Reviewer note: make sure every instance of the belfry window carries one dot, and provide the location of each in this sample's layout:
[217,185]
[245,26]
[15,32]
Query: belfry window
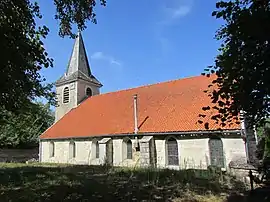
[88,92]
[172,151]
[66,95]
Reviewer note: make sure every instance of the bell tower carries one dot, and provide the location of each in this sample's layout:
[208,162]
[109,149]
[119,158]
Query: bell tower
[78,83]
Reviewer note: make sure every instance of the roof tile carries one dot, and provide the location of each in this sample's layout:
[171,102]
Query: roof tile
[171,106]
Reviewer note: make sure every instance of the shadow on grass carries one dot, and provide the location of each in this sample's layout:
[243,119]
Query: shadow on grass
[261,194]
[99,183]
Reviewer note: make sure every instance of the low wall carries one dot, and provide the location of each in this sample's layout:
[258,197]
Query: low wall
[18,155]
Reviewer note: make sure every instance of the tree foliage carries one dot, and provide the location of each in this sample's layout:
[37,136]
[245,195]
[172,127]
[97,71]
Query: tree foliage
[242,67]
[22,130]
[77,12]
[23,54]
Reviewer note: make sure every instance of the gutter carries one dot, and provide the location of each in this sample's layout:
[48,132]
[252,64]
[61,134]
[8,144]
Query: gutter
[149,134]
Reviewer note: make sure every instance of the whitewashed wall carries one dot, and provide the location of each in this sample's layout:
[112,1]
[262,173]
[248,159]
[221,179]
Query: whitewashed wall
[83,152]
[233,149]
[193,153]
[119,154]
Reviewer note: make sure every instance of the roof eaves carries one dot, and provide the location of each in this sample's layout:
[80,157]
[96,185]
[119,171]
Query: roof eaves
[203,132]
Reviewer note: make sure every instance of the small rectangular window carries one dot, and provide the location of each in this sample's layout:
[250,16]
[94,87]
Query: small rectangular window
[97,150]
[51,148]
[72,150]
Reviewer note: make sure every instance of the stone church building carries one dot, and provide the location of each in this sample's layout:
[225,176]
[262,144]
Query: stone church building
[154,125]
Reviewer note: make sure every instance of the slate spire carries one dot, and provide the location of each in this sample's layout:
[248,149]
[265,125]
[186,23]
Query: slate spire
[78,60]
[78,65]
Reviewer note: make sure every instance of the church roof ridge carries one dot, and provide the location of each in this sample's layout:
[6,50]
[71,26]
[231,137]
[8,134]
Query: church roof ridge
[151,84]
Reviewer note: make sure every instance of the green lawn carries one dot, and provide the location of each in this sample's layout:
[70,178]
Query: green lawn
[57,183]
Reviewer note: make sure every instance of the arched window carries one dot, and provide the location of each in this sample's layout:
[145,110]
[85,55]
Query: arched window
[172,151]
[66,95]
[51,149]
[97,150]
[129,149]
[88,92]
[72,150]
[216,152]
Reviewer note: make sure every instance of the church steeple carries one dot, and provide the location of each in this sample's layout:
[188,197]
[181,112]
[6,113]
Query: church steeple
[77,83]
[78,65]
[78,60]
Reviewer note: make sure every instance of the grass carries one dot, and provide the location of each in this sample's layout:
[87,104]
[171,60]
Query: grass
[50,182]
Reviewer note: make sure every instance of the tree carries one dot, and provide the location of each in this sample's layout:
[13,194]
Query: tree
[23,54]
[242,68]
[22,130]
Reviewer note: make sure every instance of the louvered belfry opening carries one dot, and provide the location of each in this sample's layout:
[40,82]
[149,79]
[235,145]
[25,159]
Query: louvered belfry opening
[66,95]
[89,92]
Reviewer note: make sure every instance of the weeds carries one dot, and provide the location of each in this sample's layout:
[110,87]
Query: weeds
[50,182]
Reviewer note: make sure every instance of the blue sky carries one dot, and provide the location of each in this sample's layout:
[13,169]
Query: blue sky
[139,42]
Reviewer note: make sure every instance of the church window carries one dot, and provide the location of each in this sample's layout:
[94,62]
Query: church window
[51,149]
[72,150]
[88,92]
[66,95]
[172,151]
[97,150]
[216,152]
[129,149]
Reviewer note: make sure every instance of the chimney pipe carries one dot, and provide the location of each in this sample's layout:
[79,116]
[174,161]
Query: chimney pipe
[135,114]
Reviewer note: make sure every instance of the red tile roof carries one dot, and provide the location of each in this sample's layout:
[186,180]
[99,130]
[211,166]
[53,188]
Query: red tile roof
[171,106]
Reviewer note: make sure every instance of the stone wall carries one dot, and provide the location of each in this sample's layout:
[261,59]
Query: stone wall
[234,148]
[18,155]
[77,93]
[63,108]
[119,153]
[251,146]
[83,152]
[193,153]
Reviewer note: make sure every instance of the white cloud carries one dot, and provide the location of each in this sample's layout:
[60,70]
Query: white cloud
[175,9]
[97,56]
[181,11]
[101,56]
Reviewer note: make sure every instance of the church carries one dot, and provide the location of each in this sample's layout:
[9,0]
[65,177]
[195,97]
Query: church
[149,126]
